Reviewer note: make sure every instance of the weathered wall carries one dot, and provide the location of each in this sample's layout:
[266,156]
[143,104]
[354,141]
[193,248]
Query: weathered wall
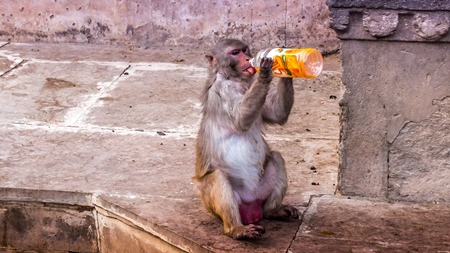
[158,23]
[55,222]
[395,128]
[119,235]
[32,221]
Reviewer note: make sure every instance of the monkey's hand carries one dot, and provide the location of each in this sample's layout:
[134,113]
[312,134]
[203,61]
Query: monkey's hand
[265,70]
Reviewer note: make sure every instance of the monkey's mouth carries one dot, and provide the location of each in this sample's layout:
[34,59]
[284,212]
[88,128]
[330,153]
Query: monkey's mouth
[250,71]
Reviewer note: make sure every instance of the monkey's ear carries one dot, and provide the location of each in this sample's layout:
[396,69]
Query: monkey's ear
[211,60]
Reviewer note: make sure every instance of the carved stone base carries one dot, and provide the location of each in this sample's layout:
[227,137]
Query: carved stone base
[395,127]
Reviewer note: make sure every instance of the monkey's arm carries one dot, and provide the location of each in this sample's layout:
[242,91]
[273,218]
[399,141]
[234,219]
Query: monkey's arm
[279,102]
[250,107]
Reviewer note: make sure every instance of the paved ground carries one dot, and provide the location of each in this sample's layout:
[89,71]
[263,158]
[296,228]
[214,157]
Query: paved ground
[121,123]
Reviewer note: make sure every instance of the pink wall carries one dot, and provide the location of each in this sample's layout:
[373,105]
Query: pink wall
[169,22]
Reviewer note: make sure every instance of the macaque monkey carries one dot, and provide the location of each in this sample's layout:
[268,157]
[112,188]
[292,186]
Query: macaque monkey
[238,178]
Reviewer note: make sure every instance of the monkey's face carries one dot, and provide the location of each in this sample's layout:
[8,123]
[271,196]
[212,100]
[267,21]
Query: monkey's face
[240,57]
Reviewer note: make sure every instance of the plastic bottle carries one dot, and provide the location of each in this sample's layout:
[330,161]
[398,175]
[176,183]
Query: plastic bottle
[292,62]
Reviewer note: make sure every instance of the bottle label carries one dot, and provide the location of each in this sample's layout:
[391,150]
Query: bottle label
[284,60]
[293,62]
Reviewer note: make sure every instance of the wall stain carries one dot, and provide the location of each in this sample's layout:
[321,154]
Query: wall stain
[90,32]
[72,233]
[18,221]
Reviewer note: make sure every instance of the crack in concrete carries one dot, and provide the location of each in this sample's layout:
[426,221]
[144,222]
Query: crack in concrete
[5,44]
[16,66]
[440,100]
[434,102]
[77,114]
[302,218]
[17,61]
[392,140]
[295,234]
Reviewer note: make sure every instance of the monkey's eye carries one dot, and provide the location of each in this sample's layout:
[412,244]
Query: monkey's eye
[235,52]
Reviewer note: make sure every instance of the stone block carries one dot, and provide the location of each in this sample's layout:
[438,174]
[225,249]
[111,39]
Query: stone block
[47,227]
[396,88]
[394,125]
[391,4]
[419,158]
[333,224]
[391,20]
[118,235]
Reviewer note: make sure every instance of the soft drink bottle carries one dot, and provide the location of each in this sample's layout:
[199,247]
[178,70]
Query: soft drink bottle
[292,62]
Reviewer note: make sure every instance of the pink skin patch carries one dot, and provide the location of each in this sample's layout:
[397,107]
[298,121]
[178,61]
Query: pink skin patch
[251,212]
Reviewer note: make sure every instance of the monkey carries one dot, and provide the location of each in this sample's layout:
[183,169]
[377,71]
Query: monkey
[238,178]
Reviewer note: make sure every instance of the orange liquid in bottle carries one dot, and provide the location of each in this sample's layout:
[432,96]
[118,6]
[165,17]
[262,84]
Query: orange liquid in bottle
[292,62]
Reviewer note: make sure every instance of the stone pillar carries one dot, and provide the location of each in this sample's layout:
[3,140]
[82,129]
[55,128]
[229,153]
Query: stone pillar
[395,121]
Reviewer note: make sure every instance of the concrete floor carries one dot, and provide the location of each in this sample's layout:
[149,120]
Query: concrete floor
[120,124]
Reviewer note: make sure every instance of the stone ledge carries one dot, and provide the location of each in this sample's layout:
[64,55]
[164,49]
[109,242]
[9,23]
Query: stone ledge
[329,224]
[422,5]
[50,221]
[402,24]
[63,221]
[59,221]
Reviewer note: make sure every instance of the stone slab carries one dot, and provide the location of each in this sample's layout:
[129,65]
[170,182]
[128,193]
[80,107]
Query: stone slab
[381,98]
[49,91]
[183,222]
[45,196]
[364,225]
[158,96]
[391,4]
[35,226]
[119,235]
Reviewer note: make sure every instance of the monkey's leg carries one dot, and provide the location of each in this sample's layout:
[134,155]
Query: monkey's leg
[220,199]
[277,179]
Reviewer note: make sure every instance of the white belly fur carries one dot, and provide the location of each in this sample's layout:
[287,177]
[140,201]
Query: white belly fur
[244,155]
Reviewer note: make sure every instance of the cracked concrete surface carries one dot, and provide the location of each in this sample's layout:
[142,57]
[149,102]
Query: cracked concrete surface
[116,126]
[121,123]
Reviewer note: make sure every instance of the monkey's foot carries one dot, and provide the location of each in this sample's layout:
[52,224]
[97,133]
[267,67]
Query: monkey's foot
[282,213]
[250,231]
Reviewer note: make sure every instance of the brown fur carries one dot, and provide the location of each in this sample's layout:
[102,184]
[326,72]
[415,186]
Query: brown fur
[234,165]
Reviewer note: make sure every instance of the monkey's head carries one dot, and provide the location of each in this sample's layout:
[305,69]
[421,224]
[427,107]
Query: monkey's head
[230,57]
